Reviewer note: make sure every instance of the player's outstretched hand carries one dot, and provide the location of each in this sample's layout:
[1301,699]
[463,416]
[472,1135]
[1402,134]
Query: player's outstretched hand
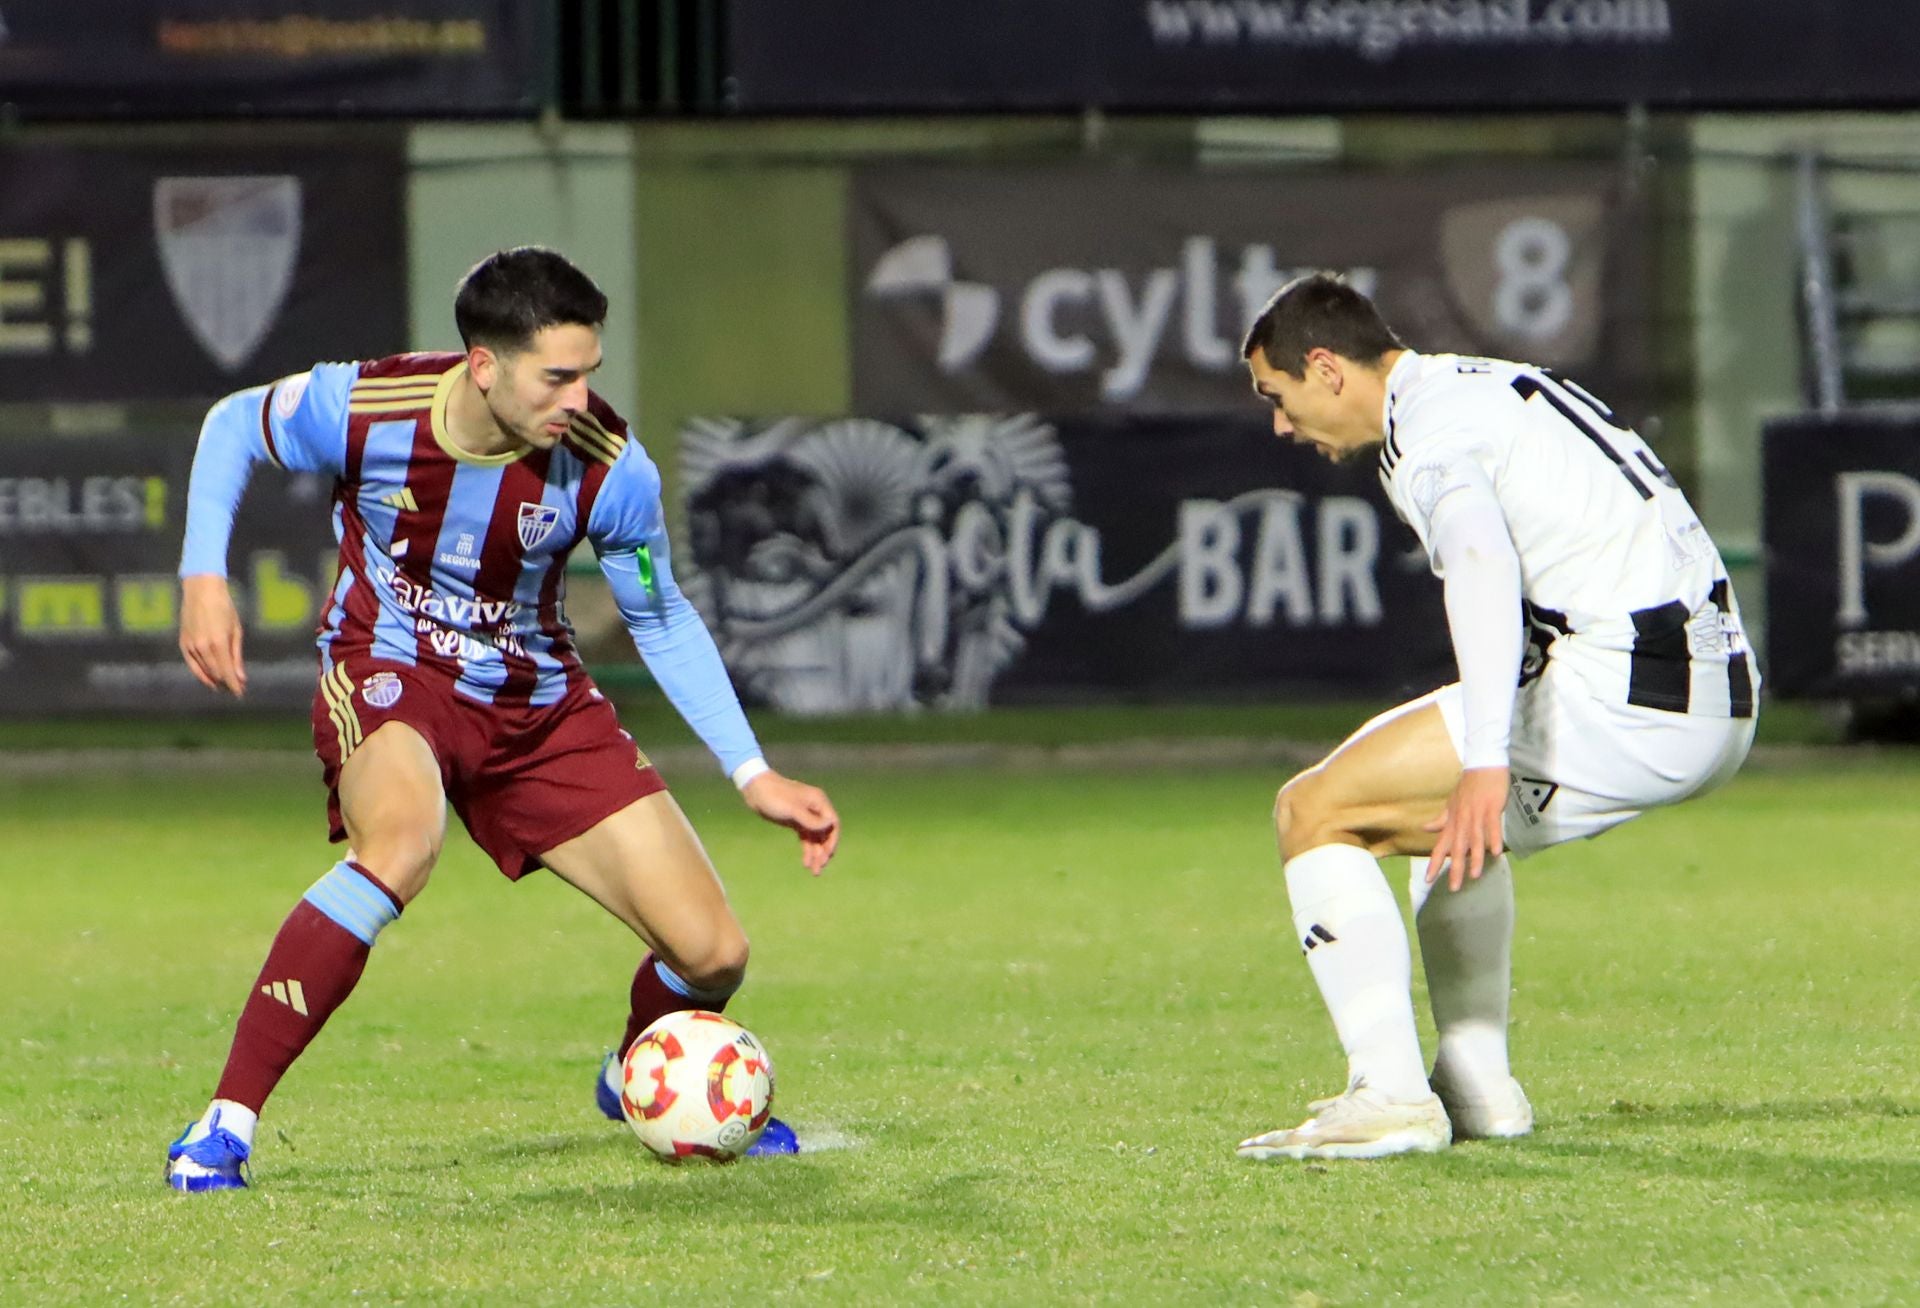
[806,809]
[210,634]
[1470,830]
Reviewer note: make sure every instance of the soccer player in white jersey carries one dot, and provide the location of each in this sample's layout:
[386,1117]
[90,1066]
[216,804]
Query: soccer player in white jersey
[1603,671]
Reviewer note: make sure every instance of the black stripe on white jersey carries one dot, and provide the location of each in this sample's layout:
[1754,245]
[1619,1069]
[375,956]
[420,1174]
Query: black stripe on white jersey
[1542,628]
[1389,448]
[1586,396]
[1529,386]
[1662,670]
[1739,669]
[1660,674]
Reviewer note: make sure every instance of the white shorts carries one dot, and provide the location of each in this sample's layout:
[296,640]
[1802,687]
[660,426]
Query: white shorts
[1581,765]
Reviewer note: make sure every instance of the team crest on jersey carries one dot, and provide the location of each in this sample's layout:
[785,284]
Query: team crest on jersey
[288,394]
[382,690]
[536,523]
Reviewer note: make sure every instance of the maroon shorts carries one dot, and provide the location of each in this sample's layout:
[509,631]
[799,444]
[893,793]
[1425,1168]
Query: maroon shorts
[522,779]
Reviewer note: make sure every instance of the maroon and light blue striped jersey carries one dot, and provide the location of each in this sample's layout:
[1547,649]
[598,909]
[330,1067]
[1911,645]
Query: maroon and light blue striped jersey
[448,558]
[457,561]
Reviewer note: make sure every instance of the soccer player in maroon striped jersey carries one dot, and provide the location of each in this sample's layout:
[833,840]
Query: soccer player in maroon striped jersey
[449,674]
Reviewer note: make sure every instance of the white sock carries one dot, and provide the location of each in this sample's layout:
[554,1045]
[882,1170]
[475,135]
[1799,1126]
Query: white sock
[1345,917]
[235,1118]
[1466,944]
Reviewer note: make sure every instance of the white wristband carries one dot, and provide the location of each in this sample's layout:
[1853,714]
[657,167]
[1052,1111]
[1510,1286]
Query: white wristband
[747,771]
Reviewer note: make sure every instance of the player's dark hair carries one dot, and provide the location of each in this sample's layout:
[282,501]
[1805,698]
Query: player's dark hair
[508,296]
[1318,311]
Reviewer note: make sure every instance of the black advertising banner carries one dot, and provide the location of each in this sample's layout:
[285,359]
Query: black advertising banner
[1842,534]
[852,564]
[254,58]
[90,535]
[1317,55]
[1070,289]
[130,274]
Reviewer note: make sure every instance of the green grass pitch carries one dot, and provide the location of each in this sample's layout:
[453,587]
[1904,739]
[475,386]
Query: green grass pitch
[1033,1011]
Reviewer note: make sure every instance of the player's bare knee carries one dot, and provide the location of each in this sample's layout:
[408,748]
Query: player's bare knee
[720,966]
[402,861]
[1303,818]
[1286,804]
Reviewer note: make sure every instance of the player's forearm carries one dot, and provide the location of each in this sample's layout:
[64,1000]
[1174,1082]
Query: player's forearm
[1482,584]
[679,651]
[222,465]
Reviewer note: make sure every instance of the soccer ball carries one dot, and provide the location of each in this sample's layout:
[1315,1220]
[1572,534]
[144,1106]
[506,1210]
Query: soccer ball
[697,1085]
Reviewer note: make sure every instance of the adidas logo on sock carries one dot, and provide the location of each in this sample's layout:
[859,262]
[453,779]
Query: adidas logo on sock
[1316,936]
[289,993]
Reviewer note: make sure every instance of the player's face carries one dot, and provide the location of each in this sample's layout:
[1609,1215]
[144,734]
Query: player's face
[537,391]
[1309,409]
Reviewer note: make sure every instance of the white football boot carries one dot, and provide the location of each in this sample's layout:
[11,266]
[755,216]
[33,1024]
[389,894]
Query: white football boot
[1502,1113]
[1362,1123]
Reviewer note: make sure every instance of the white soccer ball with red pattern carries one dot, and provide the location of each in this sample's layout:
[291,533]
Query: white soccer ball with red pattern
[697,1085]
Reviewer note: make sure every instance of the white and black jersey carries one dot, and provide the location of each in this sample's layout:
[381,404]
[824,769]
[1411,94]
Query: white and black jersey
[1619,580]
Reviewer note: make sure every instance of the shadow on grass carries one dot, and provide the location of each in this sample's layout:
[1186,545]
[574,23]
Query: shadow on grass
[790,1191]
[1626,1114]
[1787,1176]
[614,1137]
[1613,1138]
[782,1191]
[432,1164]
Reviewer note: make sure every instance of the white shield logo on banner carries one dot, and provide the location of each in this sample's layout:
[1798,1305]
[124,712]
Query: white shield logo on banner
[228,245]
[536,522]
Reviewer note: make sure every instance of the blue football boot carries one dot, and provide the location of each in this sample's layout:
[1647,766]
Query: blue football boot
[778,1138]
[216,1161]
[606,1087]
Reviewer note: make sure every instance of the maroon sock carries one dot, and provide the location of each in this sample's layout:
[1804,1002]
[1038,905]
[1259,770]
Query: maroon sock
[651,999]
[311,968]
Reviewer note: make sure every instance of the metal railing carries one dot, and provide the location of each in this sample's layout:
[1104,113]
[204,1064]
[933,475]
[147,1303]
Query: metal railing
[1851,305]
[627,58]
[1820,322]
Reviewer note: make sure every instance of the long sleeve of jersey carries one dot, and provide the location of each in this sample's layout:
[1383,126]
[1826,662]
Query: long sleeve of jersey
[627,529]
[1480,573]
[223,464]
[298,423]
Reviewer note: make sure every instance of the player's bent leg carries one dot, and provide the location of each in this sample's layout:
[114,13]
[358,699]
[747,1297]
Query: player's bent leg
[645,866]
[1371,796]
[1377,790]
[394,810]
[1466,946]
